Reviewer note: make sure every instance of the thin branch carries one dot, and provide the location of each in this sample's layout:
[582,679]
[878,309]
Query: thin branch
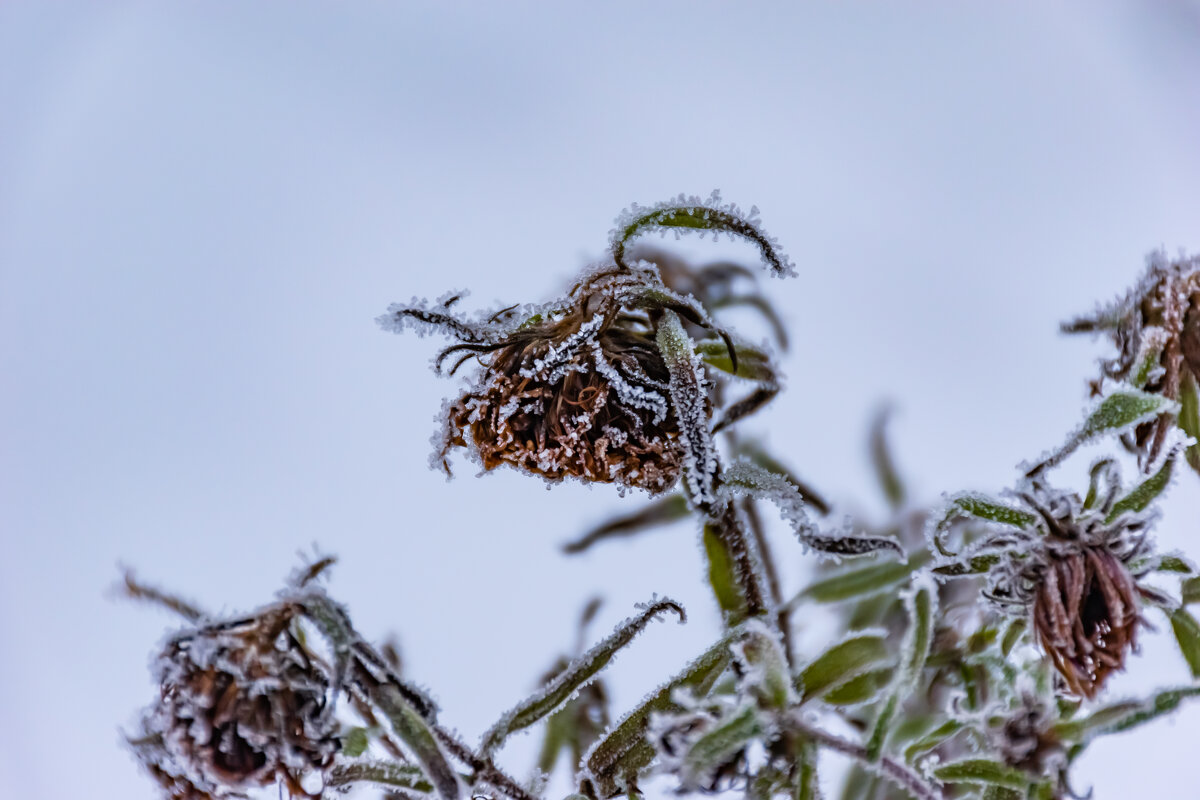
[135,590]
[483,768]
[891,769]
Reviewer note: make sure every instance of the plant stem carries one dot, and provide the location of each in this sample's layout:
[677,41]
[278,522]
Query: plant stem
[891,769]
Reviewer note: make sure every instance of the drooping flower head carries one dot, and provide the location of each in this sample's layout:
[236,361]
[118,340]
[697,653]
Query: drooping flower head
[1069,566]
[580,387]
[242,704]
[1156,329]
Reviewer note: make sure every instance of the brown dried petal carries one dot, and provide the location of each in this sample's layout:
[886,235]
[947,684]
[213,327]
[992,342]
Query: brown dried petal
[1085,615]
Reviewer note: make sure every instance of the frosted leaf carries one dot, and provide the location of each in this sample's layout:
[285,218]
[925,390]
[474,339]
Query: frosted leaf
[1116,413]
[698,214]
[689,395]
[567,683]
[746,477]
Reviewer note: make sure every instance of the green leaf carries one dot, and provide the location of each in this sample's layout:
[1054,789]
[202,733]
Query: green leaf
[413,730]
[1187,634]
[974,505]
[1148,359]
[975,565]
[1189,416]
[1145,492]
[623,751]
[840,664]
[881,458]
[1116,413]
[879,731]
[1103,470]
[859,582]
[662,511]
[807,786]
[697,214]
[355,742]
[981,770]
[922,608]
[714,748]
[1012,635]
[723,577]
[766,675]
[689,405]
[1123,716]
[994,792]
[381,773]
[862,688]
[565,684]
[752,364]
[932,739]
[1190,590]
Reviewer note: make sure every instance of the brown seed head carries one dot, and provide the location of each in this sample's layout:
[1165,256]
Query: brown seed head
[581,391]
[242,704]
[1085,612]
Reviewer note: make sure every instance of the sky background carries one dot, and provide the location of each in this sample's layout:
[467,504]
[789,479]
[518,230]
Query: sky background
[203,206]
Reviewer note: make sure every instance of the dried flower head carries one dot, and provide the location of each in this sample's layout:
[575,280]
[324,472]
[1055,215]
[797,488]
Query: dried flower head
[1068,566]
[575,388]
[581,387]
[242,704]
[1026,740]
[1156,329]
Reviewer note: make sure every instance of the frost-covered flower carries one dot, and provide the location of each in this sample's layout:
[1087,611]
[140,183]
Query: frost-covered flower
[1070,569]
[574,388]
[1156,329]
[242,704]
[1026,740]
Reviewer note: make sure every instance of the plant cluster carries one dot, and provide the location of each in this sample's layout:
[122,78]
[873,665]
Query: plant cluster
[975,638]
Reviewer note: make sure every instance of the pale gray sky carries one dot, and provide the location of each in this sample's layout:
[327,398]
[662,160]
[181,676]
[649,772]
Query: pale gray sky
[203,206]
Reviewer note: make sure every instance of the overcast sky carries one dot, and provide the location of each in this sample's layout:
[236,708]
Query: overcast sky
[203,206]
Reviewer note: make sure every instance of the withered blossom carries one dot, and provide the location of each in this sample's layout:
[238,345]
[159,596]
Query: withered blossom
[577,388]
[1071,572]
[242,704]
[1026,740]
[1156,329]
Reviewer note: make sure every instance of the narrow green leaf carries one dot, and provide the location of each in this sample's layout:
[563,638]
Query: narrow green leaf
[994,792]
[722,576]
[1190,590]
[879,731]
[415,732]
[1123,716]
[715,747]
[861,688]
[807,786]
[752,364]
[355,742]
[1145,492]
[1173,562]
[922,608]
[1012,635]
[698,214]
[381,773]
[840,664]
[859,582]
[623,750]
[932,739]
[1189,416]
[1116,413]
[983,771]
[983,507]
[1148,360]
[566,683]
[765,676]
[975,565]
[1187,634]
[689,401]
[881,458]
[1103,470]
[662,511]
